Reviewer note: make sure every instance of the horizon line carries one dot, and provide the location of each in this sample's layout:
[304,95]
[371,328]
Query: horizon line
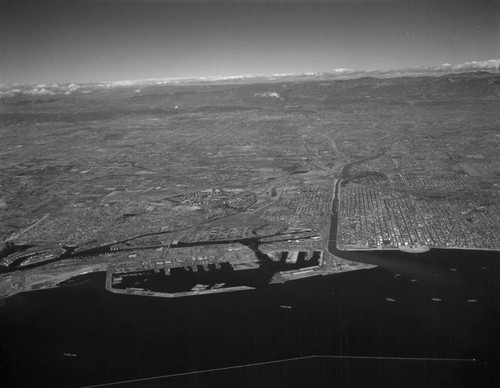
[341,73]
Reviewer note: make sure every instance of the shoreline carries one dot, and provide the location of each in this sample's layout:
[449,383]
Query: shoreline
[280,277]
[430,247]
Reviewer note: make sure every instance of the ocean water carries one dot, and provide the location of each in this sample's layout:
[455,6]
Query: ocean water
[440,305]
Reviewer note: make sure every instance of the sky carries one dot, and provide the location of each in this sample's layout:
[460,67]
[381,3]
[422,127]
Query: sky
[48,41]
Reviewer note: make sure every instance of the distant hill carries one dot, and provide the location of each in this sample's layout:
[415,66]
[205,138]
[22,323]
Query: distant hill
[294,93]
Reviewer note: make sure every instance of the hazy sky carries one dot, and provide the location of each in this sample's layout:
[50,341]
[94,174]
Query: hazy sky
[85,41]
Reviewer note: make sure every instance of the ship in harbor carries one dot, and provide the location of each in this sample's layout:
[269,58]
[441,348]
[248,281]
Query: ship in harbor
[204,275]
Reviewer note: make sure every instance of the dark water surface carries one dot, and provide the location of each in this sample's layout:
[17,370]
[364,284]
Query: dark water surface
[384,312]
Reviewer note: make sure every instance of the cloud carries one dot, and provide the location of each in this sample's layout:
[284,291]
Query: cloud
[491,64]
[16,90]
[71,88]
[124,83]
[8,93]
[39,92]
[343,71]
[268,94]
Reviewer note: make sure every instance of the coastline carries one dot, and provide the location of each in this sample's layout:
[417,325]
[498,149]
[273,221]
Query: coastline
[430,247]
